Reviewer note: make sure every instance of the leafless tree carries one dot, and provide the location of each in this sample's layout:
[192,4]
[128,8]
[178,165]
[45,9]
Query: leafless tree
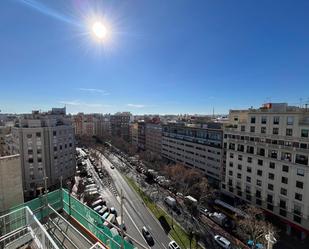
[254,226]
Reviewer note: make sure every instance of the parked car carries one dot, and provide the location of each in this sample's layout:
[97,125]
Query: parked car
[113,211]
[204,211]
[173,245]
[147,236]
[223,242]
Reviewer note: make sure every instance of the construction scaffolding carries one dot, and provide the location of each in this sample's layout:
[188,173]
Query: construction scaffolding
[48,211]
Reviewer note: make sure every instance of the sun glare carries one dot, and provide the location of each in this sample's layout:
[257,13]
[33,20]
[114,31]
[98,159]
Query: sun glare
[99,30]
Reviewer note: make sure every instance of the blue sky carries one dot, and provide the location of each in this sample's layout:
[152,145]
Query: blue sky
[175,56]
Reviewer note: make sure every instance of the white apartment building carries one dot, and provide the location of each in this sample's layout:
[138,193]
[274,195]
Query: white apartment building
[195,146]
[45,142]
[267,165]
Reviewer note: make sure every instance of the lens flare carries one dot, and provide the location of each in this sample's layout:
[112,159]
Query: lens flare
[99,30]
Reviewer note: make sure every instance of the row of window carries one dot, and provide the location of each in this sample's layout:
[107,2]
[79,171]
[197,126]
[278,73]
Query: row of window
[288,131]
[275,120]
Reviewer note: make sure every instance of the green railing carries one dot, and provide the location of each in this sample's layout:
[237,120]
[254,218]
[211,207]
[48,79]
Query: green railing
[92,221]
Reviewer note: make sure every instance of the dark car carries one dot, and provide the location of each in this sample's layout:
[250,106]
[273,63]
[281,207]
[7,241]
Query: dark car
[147,236]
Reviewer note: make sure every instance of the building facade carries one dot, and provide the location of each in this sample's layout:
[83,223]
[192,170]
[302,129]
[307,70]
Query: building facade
[196,146]
[120,125]
[141,135]
[11,189]
[153,138]
[267,152]
[134,134]
[45,142]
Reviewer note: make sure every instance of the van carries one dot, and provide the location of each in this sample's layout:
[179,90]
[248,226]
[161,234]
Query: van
[97,208]
[103,210]
[97,203]
[105,215]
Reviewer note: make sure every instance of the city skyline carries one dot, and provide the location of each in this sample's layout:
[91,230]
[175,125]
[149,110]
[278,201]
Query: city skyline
[171,57]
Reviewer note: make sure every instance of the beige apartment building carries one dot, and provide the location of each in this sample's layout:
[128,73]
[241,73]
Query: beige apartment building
[4,131]
[196,146]
[11,189]
[267,165]
[45,142]
[153,138]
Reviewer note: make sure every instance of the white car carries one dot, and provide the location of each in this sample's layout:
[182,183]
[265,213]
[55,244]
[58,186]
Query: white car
[173,245]
[223,242]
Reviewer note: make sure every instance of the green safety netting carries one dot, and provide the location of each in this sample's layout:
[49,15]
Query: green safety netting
[60,199]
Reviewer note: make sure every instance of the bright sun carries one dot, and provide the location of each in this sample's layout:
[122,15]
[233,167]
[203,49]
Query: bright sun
[99,30]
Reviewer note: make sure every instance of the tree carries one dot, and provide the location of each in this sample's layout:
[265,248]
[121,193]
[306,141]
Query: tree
[254,227]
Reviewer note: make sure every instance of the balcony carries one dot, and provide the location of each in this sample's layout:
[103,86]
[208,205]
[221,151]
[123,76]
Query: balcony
[39,224]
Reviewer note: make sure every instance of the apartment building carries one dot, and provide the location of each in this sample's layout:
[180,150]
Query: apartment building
[11,189]
[102,125]
[196,146]
[120,125]
[267,152]
[4,131]
[45,142]
[134,134]
[153,137]
[141,135]
[84,124]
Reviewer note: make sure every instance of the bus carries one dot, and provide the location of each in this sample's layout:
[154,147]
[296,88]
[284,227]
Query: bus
[229,210]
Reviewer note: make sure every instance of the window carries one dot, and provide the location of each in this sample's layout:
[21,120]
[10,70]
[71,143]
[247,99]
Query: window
[300,172]
[239,176]
[263,130]
[258,202]
[243,128]
[249,169]
[239,166]
[55,148]
[271,176]
[30,160]
[39,151]
[54,133]
[289,132]
[283,191]
[248,179]
[39,159]
[29,135]
[263,120]
[258,182]
[240,157]
[269,198]
[230,172]
[231,164]
[282,212]
[258,193]
[304,132]
[284,180]
[259,172]
[250,149]
[275,131]
[290,120]
[272,165]
[252,120]
[301,159]
[252,128]
[299,184]
[261,151]
[276,120]
[38,134]
[260,162]
[30,151]
[231,155]
[270,186]
[249,160]
[285,168]
[240,147]
[298,197]
[303,146]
